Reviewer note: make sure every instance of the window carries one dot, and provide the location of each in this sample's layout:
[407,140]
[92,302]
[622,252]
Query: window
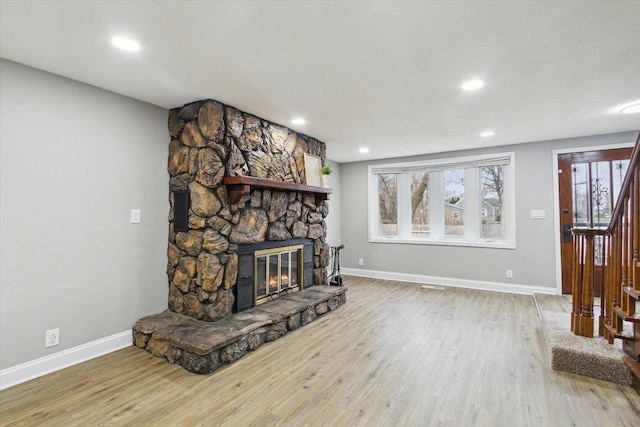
[463,201]
[387,202]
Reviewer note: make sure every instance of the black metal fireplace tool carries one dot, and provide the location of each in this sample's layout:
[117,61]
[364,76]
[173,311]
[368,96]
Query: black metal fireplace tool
[335,279]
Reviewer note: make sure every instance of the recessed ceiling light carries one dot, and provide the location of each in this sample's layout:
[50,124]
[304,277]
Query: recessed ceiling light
[298,121]
[487,134]
[473,85]
[125,43]
[635,108]
[363,150]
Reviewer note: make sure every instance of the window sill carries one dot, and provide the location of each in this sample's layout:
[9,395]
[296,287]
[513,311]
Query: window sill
[490,245]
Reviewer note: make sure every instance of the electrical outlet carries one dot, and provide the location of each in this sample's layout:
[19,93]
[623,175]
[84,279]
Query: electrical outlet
[361,261]
[52,337]
[135,216]
[509,274]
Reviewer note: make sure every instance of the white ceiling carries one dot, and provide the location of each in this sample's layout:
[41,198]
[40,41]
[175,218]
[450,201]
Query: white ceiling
[385,75]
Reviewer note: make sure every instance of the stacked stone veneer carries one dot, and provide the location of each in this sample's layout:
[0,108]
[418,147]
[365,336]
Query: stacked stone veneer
[209,141]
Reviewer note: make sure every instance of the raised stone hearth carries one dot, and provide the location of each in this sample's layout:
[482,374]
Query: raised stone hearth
[202,347]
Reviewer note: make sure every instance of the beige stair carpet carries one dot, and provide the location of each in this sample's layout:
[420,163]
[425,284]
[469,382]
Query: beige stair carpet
[591,357]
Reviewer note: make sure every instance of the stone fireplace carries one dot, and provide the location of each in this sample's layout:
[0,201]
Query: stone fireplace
[211,143]
[247,255]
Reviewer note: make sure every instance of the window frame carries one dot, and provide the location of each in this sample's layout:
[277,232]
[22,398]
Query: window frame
[472,236]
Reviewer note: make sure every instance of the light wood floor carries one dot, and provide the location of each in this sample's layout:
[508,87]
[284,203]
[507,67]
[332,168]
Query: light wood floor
[393,355]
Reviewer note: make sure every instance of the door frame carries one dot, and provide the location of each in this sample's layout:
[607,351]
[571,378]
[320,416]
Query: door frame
[556,199]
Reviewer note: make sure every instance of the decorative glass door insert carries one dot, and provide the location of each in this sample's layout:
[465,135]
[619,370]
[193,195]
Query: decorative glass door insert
[596,186]
[277,271]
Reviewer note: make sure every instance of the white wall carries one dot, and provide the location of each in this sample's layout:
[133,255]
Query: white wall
[74,160]
[533,260]
[333,219]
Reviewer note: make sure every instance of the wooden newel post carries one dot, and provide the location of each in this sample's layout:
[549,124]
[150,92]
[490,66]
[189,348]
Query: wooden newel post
[582,320]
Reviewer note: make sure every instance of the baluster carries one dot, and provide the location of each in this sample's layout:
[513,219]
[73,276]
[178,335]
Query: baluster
[609,295]
[623,255]
[613,285]
[628,223]
[586,310]
[603,285]
[635,245]
[575,284]
[617,302]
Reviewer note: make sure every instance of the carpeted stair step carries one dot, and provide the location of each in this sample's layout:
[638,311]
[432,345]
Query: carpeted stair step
[635,372]
[591,357]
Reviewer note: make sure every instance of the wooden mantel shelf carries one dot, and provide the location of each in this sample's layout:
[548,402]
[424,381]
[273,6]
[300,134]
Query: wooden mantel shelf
[241,185]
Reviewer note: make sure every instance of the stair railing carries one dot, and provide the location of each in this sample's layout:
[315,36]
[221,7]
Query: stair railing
[620,251]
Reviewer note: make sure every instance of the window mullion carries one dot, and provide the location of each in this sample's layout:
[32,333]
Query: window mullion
[374,190]
[404,206]
[473,210]
[508,213]
[373,210]
[437,205]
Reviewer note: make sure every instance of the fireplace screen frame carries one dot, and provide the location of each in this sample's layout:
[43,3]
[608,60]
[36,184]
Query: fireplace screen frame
[277,252]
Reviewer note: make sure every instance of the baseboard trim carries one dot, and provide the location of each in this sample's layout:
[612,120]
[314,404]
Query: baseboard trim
[63,359]
[449,281]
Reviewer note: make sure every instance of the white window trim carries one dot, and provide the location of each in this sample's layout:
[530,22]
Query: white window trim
[471,221]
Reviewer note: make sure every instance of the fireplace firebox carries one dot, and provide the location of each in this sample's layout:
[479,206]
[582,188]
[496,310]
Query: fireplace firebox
[277,271]
[270,269]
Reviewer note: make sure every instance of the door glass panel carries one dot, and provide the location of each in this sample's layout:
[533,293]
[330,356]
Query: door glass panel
[580,190]
[598,250]
[453,202]
[601,193]
[595,189]
[619,171]
[420,203]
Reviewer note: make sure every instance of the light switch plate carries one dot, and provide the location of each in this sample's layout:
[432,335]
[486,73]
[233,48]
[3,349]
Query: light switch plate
[135,216]
[537,213]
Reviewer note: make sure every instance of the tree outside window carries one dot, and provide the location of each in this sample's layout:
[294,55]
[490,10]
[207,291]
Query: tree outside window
[491,189]
[420,203]
[388,204]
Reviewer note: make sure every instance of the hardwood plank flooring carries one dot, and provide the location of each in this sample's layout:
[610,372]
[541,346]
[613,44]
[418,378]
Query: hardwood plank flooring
[559,303]
[394,355]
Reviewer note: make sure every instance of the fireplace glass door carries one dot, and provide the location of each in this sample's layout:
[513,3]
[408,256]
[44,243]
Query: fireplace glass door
[277,271]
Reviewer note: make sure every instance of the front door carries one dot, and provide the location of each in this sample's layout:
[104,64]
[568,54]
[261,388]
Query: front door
[589,183]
